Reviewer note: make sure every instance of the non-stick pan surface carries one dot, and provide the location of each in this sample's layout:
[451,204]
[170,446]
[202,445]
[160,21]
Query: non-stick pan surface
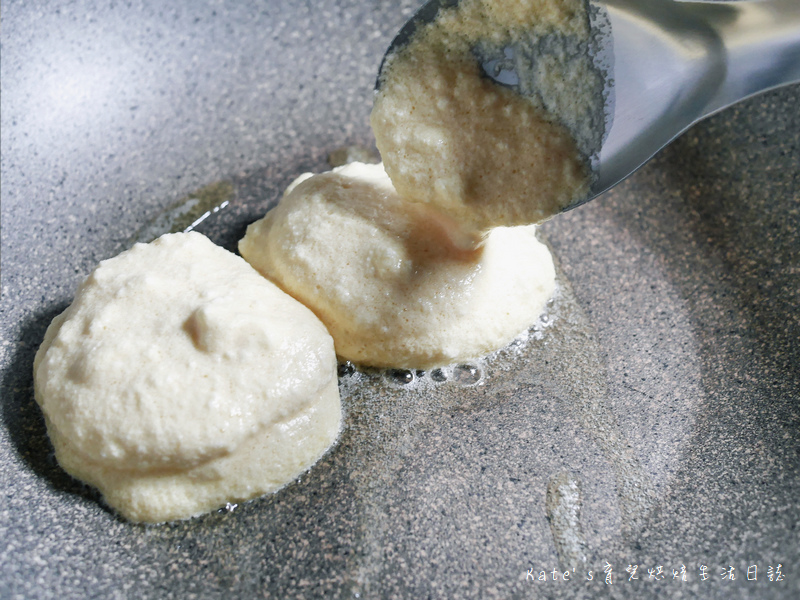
[650,420]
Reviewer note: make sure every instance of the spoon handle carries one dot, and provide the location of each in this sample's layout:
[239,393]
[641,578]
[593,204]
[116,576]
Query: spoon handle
[676,63]
[762,47]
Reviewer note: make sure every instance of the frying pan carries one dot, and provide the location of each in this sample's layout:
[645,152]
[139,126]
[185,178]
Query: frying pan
[650,419]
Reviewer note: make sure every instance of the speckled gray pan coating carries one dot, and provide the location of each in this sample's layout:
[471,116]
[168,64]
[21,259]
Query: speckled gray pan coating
[666,383]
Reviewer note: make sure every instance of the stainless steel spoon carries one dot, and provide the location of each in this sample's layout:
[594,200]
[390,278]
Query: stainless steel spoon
[666,65]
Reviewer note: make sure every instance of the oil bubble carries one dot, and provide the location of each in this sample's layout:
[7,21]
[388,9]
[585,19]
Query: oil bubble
[345,369]
[467,374]
[400,376]
[439,375]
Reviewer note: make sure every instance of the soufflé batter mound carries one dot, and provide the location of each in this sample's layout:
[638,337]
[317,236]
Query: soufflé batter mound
[180,379]
[385,278]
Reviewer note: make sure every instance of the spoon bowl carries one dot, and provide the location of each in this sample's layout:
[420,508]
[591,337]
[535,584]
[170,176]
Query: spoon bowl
[664,65]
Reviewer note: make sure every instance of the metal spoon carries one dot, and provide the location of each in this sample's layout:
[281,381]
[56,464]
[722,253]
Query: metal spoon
[665,65]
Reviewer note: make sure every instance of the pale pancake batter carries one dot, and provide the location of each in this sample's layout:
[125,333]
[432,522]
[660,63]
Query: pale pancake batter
[180,379]
[479,152]
[385,278]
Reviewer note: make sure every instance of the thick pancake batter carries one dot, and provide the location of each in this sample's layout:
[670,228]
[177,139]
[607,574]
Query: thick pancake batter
[180,379]
[482,153]
[385,278]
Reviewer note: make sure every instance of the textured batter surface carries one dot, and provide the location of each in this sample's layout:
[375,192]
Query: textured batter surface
[385,278]
[481,153]
[179,379]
